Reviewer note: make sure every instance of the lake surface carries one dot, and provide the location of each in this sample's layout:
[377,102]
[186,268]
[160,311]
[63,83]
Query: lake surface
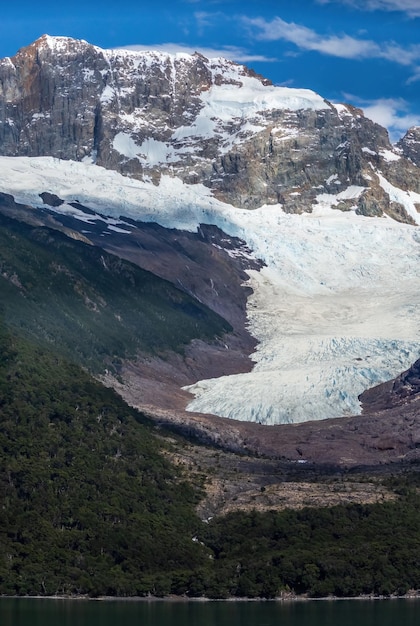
[26,612]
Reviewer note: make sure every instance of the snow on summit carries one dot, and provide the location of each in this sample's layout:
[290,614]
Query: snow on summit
[239,93]
[239,99]
[336,310]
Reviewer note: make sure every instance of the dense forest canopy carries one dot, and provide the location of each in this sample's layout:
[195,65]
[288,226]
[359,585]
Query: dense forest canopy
[90,505]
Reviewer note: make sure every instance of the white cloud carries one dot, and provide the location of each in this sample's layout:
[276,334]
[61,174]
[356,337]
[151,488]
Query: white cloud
[343,46]
[234,53]
[415,76]
[392,113]
[411,7]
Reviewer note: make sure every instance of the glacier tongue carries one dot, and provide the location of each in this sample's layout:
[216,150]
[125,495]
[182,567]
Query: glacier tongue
[294,387]
[335,312]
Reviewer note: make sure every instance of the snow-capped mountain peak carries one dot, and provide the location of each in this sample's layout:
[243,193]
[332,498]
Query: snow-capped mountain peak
[208,121]
[183,140]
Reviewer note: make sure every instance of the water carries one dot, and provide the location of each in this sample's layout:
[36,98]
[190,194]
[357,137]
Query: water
[25,612]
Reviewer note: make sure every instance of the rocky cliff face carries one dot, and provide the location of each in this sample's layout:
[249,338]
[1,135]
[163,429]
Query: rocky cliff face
[208,121]
[410,145]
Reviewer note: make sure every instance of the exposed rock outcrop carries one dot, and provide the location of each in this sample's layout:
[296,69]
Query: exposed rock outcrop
[410,145]
[403,391]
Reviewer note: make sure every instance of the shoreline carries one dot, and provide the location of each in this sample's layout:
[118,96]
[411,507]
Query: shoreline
[414,595]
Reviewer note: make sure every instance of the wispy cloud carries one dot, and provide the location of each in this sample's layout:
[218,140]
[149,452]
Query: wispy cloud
[411,7]
[234,53]
[205,19]
[415,78]
[392,113]
[343,46]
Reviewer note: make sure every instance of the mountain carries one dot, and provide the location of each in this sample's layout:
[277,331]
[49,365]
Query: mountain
[320,208]
[232,258]
[149,114]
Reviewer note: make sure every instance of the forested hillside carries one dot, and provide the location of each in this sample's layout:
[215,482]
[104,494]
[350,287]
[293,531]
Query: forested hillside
[91,306]
[90,505]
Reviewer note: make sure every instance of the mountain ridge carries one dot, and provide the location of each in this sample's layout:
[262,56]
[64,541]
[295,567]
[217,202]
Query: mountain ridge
[205,121]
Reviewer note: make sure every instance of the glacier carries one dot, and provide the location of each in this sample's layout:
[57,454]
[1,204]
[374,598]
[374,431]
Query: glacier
[335,310]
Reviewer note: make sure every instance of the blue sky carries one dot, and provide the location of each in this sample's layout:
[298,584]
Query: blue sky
[366,52]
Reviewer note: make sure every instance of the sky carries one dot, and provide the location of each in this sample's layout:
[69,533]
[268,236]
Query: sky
[364,52]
